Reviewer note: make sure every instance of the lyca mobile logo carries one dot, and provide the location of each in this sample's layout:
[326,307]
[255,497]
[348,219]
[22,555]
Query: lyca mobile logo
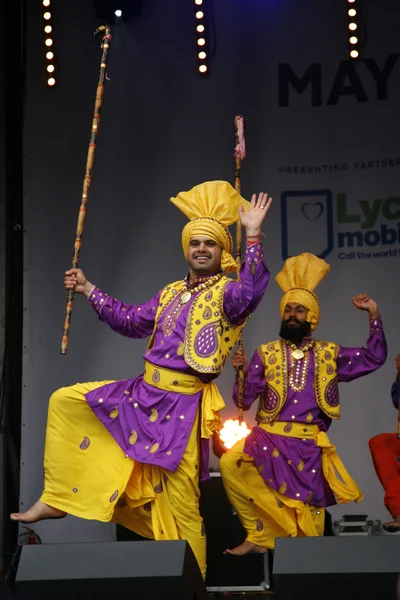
[314,221]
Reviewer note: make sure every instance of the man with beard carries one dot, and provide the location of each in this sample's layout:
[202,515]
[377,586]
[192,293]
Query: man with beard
[133,451]
[385,451]
[280,478]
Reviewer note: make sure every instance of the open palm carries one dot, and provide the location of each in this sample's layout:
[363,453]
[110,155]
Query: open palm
[254,217]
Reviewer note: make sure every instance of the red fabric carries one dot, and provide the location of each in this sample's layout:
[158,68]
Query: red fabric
[385,450]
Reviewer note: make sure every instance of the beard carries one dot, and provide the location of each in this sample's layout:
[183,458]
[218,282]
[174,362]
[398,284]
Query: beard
[296,332]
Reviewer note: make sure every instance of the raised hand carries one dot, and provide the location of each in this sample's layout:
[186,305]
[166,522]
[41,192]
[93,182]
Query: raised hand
[239,359]
[364,302]
[254,217]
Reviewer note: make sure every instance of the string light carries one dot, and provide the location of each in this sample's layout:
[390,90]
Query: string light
[49,42]
[201,35]
[352,27]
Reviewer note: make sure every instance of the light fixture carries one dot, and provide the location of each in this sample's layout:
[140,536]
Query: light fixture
[118,13]
[49,43]
[353,39]
[201,36]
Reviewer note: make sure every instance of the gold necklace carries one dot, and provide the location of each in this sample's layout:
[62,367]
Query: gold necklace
[298,353]
[188,293]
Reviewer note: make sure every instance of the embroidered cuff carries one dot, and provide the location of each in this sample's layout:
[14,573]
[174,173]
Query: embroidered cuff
[98,299]
[375,326]
[254,253]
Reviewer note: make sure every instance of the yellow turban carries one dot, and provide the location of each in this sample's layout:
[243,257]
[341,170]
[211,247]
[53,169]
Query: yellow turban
[299,277]
[211,207]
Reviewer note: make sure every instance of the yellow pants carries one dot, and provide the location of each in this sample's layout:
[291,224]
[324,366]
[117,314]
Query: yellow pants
[265,513]
[88,475]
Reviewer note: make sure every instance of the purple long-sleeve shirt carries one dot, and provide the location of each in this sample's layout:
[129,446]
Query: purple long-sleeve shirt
[136,400]
[306,483]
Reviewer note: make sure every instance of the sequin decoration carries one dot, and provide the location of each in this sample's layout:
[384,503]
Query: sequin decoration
[259,525]
[85,443]
[279,502]
[283,488]
[159,488]
[147,506]
[156,376]
[239,462]
[300,466]
[275,453]
[181,349]
[114,413]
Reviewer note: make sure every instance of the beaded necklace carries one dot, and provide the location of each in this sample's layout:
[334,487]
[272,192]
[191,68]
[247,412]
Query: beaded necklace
[298,373]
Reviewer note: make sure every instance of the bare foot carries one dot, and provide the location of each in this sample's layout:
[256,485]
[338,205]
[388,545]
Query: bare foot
[392,526]
[38,512]
[245,548]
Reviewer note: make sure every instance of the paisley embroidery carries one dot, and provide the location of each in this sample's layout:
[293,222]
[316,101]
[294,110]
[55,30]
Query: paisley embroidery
[114,496]
[207,313]
[133,438]
[206,341]
[332,393]
[114,413]
[85,443]
[153,416]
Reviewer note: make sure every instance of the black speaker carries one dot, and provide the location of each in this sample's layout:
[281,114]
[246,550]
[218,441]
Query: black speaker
[5,590]
[224,530]
[129,570]
[336,568]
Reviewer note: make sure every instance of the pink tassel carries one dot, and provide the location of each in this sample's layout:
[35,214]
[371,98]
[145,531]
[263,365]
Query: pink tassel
[240,150]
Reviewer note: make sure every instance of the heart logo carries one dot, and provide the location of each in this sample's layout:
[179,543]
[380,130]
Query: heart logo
[312,210]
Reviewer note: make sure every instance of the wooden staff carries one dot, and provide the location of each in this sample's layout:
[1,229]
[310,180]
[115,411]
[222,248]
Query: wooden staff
[106,42]
[240,154]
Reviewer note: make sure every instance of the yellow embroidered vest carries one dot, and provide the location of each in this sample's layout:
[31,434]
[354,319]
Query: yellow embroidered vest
[209,335]
[274,358]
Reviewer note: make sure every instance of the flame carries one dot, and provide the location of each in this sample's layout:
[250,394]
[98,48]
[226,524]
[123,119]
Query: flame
[233,431]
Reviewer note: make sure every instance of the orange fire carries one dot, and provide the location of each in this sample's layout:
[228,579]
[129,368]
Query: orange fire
[232,431]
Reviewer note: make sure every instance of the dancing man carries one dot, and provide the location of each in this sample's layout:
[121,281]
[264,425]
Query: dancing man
[286,471]
[133,451]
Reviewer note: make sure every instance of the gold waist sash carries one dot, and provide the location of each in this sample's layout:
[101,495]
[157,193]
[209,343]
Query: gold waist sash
[182,383]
